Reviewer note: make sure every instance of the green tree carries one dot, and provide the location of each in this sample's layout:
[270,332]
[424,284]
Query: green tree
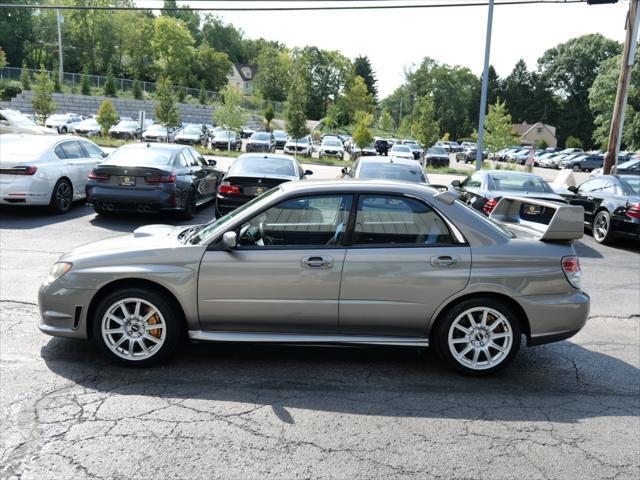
[173,46]
[136,89]
[212,66]
[272,79]
[573,142]
[42,100]
[357,98]
[269,114]
[166,108]
[202,97]
[570,68]
[223,37]
[385,122]
[230,114]
[362,68]
[425,127]
[106,117]
[498,128]
[189,18]
[85,87]
[110,85]
[295,115]
[362,136]
[25,77]
[3,58]
[542,144]
[180,92]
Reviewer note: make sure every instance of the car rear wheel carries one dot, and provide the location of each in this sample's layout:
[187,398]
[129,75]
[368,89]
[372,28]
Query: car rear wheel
[478,337]
[575,168]
[61,197]
[137,326]
[602,227]
[189,209]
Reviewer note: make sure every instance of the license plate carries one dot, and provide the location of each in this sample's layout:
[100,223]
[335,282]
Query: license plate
[259,190]
[127,180]
[533,209]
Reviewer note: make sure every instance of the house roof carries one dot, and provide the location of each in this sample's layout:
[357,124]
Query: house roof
[524,128]
[247,72]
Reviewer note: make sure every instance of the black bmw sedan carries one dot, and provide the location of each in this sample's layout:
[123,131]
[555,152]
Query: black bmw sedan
[251,175]
[611,206]
[261,142]
[148,178]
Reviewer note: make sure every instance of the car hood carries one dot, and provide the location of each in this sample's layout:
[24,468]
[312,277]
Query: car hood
[37,130]
[293,144]
[328,147]
[187,135]
[122,129]
[149,238]
[259,142]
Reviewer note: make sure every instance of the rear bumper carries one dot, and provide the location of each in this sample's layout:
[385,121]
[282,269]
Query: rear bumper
[227,204]
[114,199]
[555,317]
[25,190]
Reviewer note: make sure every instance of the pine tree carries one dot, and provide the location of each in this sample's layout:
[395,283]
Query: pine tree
[498,128]
[110,85]
[85,86]
[136,89]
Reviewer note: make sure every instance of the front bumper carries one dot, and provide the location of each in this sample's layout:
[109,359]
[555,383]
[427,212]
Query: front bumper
[258,147]
[555,317]
[63,311]
[331,153]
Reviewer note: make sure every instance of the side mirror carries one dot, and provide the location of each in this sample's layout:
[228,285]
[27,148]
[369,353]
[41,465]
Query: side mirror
[211,163]
[344,170]
[105,154]
[229,240]
[308,172]
[573,189]
[455,184]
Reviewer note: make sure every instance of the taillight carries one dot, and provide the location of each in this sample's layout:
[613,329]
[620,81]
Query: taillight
[162,179]
[226,187]
[634,211]
[95,176]
[21,170]
[571,269]
[489,206]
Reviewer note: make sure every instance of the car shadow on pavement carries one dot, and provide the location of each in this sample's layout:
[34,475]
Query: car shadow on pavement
[584,250]
[127,222]
[563,382]
[24,218]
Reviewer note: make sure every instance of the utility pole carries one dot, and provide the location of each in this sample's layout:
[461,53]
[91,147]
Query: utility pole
[61,66]
[485,87]
[628,59]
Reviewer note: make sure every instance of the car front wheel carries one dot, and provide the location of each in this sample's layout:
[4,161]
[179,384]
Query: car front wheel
[575,168]
[478,337]
[136,326]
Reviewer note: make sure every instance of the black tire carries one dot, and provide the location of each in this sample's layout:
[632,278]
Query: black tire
[172,315]
[61,196]
[440,336]
[575,168]
[601,228]
[189,209]
[63,130]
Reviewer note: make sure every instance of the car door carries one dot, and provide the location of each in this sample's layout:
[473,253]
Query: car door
[196,172]
[402,262]
[75,168]
[284,275]
[210,177]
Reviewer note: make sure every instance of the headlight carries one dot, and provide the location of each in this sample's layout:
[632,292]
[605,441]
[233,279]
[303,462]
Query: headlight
[58,270]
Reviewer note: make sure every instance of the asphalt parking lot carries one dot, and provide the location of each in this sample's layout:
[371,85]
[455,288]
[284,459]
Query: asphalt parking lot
[565,410]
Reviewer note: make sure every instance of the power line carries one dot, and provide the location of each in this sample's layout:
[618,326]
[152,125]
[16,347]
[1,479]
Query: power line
[376,6]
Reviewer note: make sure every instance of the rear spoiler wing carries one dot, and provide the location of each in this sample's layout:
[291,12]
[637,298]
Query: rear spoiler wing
[566,223]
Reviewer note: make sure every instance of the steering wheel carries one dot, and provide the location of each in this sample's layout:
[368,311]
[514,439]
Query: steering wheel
[250,233]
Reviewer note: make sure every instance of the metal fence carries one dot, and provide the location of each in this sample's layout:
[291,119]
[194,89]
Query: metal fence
[125,84]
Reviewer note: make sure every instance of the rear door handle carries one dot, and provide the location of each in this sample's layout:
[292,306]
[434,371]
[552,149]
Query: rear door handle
[317,262]
[444,261]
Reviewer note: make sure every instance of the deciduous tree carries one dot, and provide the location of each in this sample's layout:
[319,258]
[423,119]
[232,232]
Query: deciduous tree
[498,128]
[167,112]
[42,100]
[296,106]
[425,127]
[106,117]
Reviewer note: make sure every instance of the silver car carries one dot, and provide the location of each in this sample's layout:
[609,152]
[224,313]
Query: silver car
[331,262]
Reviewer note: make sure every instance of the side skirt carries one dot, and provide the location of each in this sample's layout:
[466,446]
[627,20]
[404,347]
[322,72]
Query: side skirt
[249,337]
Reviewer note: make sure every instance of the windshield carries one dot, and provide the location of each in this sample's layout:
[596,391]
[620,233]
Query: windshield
[211,227]
[58,118]
[279,134]
[17,118]
[436,151]
[400,148]
[193,129]
[261,137]
[127,124]
[299,140]
[392,171]
[223,135]
[630,184]
[262,167]
[140,156]
[331,143]
[519,183]
[157,129]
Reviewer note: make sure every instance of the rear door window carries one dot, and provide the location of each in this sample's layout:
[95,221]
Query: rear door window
[73,150]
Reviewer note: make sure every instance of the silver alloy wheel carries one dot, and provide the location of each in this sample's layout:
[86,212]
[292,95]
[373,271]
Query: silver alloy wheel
[601,226]
[64,195]
[133,329]
[480,338]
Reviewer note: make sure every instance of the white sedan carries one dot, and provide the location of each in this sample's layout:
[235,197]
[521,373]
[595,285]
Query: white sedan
[45,170]
[401,152]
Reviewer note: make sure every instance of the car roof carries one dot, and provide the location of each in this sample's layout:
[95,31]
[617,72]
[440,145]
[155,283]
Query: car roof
[267,155]
[360,185]
[154,146]
[387,160]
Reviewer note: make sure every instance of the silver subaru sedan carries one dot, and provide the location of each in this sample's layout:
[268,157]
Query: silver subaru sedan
[321,262]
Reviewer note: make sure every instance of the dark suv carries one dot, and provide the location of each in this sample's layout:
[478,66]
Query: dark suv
[382,146]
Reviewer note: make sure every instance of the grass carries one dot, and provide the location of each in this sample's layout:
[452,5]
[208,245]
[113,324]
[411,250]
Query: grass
[118,142]
[335,162]
[448,171]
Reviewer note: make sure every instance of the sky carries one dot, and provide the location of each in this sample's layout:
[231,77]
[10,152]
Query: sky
[397,39]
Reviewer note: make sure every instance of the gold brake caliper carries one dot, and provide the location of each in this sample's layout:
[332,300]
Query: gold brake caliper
[156,331]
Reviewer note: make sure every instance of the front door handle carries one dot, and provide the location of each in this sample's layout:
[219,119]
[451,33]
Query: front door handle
[444,261]
[317,262]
